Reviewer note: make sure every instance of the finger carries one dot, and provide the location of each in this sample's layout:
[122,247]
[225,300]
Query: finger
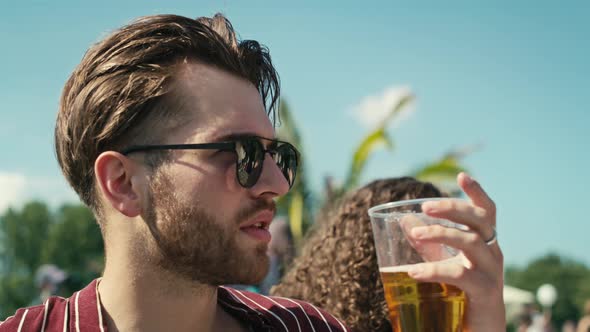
[478,287]
[481,199]
[462,212]
[470,243]
[448,272]
[476,193]
[408,222]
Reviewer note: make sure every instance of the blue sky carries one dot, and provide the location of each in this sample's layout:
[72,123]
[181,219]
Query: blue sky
[513,77]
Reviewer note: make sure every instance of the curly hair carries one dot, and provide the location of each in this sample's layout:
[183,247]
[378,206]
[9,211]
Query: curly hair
[337,269]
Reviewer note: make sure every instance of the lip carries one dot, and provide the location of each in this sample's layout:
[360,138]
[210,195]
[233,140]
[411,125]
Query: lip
[265,217]
[261,234]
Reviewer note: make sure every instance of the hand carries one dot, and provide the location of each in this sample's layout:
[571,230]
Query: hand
[479,272]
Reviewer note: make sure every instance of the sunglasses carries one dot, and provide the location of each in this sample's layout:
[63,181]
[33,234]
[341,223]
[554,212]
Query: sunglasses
[250,156]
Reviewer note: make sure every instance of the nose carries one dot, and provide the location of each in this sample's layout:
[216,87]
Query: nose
[272,182]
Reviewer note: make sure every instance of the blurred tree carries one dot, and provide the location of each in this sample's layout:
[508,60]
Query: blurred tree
[443,172]
[75,245]
[298,203]
[570,278]
[33,236]
[22,234]
[376,138]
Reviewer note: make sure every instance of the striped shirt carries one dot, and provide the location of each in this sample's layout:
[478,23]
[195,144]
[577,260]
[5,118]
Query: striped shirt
[83,312]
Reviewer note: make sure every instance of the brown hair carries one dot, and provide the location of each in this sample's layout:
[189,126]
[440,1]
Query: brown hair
[120,88]
[337,269]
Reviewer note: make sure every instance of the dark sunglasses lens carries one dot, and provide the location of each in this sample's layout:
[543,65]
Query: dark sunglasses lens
[286,160]
[250,158]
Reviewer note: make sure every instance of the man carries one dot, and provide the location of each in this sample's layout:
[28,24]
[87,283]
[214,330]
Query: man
[164,131]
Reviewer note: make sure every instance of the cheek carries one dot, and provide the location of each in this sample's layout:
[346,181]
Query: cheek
[231,180]
[219,195]
[213,188]
[207,179]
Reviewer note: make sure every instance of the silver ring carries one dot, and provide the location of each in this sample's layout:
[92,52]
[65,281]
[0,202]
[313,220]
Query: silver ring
[493,239]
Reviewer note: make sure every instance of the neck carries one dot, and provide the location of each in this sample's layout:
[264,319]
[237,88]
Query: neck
[137,296]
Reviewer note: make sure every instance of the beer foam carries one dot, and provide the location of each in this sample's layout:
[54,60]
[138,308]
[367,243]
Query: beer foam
[393,269]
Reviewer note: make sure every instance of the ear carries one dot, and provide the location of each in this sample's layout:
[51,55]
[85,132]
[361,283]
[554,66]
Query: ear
[118,178]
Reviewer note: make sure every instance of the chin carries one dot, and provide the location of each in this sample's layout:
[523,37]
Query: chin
[253,272]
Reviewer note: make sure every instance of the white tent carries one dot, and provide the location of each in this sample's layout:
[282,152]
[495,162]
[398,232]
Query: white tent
[515,299]
[513,295]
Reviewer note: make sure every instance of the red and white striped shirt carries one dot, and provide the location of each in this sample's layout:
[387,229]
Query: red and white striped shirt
[83,312]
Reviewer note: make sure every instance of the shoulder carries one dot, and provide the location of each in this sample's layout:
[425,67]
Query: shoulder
[37,317]
[288,314]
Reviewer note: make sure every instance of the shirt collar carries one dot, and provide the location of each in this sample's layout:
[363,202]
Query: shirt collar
[86,312]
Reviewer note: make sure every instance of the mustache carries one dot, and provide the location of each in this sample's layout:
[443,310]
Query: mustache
[257,207]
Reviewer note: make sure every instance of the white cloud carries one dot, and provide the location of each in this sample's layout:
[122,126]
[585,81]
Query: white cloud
[373,109]
[12,189]
[16,189]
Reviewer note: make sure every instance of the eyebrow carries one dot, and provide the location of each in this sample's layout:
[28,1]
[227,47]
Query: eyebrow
[236,136]
[272,142]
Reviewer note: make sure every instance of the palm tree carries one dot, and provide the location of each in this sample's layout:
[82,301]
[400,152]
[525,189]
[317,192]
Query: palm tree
[443,172]
[376,138]
[299,202]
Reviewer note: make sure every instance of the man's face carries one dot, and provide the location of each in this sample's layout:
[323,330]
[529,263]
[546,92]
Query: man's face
[206,226]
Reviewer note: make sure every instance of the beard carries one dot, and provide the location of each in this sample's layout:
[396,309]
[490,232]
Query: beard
[192,244]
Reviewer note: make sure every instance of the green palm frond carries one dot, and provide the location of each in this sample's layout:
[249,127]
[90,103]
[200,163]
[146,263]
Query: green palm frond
[296,217]
[376,138]
[288,130]
[298,202]
[440,170]
[373,141]
[443,172]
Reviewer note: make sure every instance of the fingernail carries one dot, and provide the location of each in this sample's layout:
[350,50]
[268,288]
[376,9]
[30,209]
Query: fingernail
[415,271]
[418,232]
[468,179]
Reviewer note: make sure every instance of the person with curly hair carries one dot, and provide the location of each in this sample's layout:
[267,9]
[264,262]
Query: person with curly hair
[337,269]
